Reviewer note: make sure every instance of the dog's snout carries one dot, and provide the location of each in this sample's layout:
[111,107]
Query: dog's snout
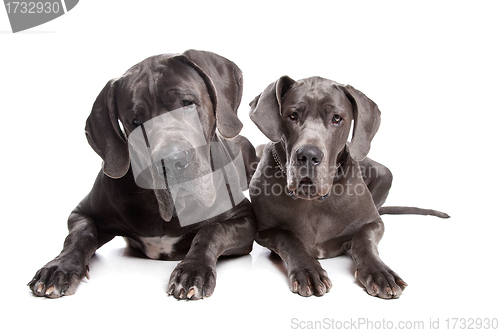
[309,156]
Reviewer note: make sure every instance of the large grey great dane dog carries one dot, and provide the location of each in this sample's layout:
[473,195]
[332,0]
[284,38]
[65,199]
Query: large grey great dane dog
[208,88]
[315,195]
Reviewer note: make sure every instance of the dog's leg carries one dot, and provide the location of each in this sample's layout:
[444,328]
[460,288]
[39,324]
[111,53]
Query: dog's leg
[378,279]
[194,276]
[62,275]
[305,274]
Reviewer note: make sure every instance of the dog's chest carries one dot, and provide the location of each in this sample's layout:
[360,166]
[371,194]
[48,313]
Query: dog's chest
[155,247]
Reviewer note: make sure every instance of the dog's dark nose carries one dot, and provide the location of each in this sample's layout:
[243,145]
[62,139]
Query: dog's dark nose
[178,161]
[309,156]
[174,160]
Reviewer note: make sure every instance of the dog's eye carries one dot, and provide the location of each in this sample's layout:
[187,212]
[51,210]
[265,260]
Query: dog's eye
[136,122]
[186,102]
[336,119]
[293,116]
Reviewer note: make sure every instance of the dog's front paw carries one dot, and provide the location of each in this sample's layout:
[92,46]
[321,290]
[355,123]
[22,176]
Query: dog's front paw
[381,281]
[192,280]
[58,278]
[309,280]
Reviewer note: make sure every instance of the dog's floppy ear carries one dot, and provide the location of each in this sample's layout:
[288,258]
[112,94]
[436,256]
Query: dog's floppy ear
[104,134]
[366,122]
[265,109]
[224,81]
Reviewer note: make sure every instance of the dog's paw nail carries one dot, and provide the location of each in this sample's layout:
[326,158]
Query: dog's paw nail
[375,288]
[40,288]
[181,294]
[191,293]
[49,291]
[356,274]
[321,289]
[64,288]
[308,290]
[388,290]
[328,284]
[401,282]
[295,286]
[170,290]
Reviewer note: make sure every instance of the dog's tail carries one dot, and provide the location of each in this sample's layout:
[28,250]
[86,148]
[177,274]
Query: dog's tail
[396,210]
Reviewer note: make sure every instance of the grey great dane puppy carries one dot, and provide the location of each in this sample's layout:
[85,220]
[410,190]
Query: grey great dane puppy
[147,218]
[315,195]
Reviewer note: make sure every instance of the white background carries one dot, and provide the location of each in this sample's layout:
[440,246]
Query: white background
[431,66]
